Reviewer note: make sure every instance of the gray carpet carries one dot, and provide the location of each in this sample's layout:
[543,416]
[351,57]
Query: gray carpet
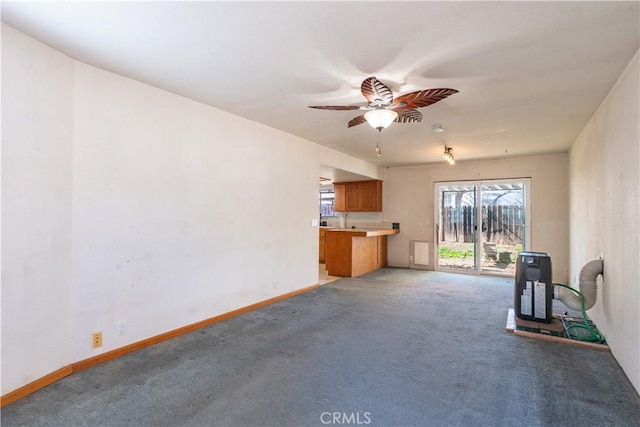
[393,348]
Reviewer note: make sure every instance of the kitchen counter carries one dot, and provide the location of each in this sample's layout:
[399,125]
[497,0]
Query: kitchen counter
[364,232]
[351,252]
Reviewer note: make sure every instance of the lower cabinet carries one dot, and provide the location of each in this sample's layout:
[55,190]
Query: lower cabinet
[351,255]
[382,251]
[321,246]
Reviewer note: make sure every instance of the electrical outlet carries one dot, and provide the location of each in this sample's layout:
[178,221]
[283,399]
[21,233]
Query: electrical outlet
[122,328]
[96,340]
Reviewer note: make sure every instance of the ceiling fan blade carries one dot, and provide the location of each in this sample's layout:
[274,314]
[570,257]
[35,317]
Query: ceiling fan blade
[409,116]
[336,107]
[357,121]
[376,92]
[422,98]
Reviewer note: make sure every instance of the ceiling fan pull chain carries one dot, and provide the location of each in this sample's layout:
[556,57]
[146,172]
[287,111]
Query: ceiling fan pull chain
[379,144]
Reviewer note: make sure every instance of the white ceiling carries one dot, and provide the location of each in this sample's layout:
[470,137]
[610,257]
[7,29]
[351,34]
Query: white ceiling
[530,74]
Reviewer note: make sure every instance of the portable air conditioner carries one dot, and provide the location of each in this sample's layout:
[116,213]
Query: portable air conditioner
[533,287]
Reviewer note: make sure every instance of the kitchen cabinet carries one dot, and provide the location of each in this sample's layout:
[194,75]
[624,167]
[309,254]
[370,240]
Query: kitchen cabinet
[382,251]
[350,253]
[321,245]
[339,195]
[358,196]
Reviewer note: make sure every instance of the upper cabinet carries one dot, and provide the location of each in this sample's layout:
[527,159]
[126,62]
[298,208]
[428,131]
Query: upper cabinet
[339,193]
[359,196]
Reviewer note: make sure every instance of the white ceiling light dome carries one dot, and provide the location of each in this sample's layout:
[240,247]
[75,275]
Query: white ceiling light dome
[380,118]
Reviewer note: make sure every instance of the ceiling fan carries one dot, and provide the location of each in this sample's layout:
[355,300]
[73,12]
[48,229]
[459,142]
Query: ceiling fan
[382,109]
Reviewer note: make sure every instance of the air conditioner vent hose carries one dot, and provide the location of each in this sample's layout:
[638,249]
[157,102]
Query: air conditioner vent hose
[588,287]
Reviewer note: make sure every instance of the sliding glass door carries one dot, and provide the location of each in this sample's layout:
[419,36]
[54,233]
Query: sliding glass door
[503,226]
[481,225]
[457,227]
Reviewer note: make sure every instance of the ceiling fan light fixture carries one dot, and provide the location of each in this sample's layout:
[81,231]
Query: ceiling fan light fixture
[380,118]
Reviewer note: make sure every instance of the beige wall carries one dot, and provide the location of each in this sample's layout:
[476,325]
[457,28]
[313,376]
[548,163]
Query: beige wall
[605,216]
[37,120]
[345,163]
[409,199]
[123,202]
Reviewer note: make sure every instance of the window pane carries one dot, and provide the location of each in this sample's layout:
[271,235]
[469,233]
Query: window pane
[327,203]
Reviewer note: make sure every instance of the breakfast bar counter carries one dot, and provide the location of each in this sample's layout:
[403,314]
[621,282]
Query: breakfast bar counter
[352,252]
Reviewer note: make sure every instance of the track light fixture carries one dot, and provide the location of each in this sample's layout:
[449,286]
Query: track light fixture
[448,155]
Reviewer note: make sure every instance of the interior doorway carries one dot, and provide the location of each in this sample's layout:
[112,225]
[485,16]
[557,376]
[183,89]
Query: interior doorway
[481,225]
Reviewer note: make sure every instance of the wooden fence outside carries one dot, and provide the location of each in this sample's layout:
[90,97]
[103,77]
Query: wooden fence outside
[503,225]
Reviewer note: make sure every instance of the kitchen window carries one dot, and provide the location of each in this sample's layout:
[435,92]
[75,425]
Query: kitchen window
[327,199]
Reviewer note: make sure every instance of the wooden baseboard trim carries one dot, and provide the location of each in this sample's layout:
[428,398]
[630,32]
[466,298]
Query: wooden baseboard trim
[119,352]
[36,385]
